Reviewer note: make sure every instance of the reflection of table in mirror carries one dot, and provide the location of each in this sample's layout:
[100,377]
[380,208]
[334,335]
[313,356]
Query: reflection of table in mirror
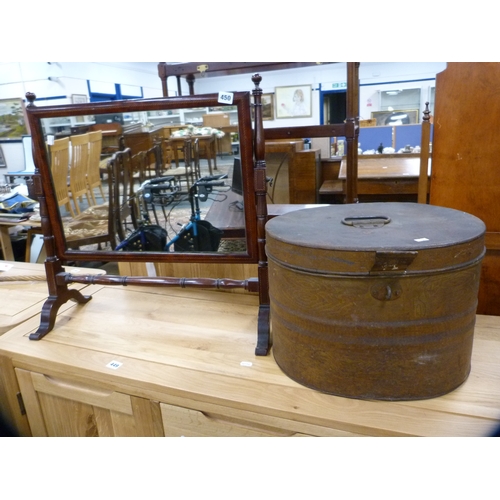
[5,241]
[225,215]
[206,144]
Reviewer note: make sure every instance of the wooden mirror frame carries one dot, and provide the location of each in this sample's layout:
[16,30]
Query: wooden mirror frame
[242,102]
[254,185]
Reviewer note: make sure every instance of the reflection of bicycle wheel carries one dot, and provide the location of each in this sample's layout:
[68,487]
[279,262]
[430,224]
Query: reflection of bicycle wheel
[207,239]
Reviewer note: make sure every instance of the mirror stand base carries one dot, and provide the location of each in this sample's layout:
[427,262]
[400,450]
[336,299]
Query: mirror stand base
[263,330]
[51,307]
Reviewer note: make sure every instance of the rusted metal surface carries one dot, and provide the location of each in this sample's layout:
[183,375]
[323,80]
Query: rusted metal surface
[382,310]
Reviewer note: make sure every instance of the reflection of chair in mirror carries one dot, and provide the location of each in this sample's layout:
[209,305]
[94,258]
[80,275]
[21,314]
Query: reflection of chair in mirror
[78,170]
[153,166]
[94,226]
[165,154]
[139,167]
[93,172]
[191,169]
[122,215]
[59,165]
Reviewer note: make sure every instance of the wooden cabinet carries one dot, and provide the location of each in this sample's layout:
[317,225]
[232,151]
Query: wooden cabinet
[62,407]
[177,362]
[465,174]
[295,172]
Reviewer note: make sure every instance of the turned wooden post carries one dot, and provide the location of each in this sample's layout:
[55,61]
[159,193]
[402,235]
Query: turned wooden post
[162,73]
[190,82]
[352,139]
[261,206]
[423,179]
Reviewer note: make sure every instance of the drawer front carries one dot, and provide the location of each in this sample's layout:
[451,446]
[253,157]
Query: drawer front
[178,421]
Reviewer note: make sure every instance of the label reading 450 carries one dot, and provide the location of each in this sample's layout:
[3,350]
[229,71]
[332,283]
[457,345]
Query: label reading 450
[225,97]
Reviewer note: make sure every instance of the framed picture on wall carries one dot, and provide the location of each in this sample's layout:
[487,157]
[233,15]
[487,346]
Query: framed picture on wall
[293,101]
[13,123]
[267,107]
[396,117]
[79,99]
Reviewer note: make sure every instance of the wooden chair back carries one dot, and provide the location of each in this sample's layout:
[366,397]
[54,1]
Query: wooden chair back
[154,162]
[59,165]
[122,215]
[139,167]
[93,171]
[166,153]
[78,170]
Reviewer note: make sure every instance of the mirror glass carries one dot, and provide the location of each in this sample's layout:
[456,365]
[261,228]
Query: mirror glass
[175,176]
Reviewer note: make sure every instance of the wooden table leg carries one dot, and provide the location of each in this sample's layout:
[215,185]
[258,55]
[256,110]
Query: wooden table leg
[8,253]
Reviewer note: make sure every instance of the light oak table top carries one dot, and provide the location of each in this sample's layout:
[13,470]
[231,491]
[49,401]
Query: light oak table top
[177,345]
[23,290]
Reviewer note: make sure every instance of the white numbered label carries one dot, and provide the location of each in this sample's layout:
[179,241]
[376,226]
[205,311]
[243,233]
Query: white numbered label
[114,365]
[226,97]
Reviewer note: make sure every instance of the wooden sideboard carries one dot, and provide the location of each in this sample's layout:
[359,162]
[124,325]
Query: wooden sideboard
[174,362]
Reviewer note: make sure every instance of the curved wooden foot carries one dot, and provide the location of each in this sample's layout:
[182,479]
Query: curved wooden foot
[50,309]
[263,331]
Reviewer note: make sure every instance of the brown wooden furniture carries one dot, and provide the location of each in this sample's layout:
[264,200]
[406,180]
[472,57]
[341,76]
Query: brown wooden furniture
[78,166]
[141,139]
[24,289]
[349,129]
[93,172]
[294,173]
[206,145]
[59,166]
[190,69]
[105,224]
[111,135]
[254,191]
[380,177]
[196,374]
[5,240]
[224,215]
[465,153]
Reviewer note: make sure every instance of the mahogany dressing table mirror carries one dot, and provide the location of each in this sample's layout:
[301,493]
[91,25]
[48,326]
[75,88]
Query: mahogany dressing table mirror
[57,219]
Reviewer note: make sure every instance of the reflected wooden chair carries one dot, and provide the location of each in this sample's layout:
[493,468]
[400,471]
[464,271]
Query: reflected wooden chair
[59,166]
[191,170]
[78,170]
[123,214]
[139,167]
[93,171]
[154,162]
[165,154]
[96,227]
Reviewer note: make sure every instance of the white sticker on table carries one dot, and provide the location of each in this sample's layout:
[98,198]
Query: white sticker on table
[114,365]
